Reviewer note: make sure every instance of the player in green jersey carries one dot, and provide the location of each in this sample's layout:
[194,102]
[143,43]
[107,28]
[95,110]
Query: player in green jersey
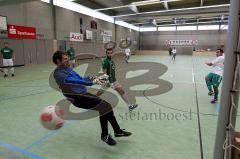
[71,55]
[108,67]
[8,57]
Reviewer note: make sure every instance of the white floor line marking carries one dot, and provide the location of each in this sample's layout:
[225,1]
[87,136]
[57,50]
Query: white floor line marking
[193,80]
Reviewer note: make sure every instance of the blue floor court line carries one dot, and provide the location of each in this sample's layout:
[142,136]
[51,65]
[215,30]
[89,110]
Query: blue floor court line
[19,150]
[46,137]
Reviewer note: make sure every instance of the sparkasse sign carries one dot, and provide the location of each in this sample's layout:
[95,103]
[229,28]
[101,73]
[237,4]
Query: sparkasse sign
[21,32]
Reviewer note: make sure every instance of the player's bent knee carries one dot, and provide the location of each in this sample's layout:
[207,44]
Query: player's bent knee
[106,107]
[120,90]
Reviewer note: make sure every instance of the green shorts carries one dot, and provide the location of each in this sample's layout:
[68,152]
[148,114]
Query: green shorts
[215,79]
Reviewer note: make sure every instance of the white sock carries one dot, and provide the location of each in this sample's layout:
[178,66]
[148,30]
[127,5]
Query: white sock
[12,70]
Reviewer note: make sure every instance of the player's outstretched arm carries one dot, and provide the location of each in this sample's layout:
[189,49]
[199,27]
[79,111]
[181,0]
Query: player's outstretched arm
[208,63]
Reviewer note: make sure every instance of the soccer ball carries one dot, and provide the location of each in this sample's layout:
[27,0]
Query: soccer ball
[50,117]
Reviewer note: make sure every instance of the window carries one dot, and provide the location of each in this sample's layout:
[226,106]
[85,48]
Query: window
[127,25]
[169,28]
[148,29]
[192,27]
[69,4]
[224,27]
[83,10]
[208,27]
[47,1]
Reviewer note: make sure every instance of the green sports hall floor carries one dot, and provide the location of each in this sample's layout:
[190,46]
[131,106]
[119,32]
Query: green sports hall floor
[23,97]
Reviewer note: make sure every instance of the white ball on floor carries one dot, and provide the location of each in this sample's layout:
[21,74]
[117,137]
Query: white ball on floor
[50,117]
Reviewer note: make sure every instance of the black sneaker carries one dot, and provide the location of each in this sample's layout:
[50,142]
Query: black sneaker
[122,133]
[214,101]
[5,75]
[13,75]
[109,140]
[132,106]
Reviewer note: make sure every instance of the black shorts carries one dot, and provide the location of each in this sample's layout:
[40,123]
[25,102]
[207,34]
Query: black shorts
[86,101]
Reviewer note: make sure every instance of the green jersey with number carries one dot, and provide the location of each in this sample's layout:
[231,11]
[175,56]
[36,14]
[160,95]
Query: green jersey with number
[109,65]
[7,53]
[71,53]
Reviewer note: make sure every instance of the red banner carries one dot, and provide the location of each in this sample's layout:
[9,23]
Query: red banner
[21,32]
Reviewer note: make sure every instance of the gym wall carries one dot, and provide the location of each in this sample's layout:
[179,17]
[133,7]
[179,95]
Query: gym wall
[68,21]
[206,39]
[34,14]
[39,15]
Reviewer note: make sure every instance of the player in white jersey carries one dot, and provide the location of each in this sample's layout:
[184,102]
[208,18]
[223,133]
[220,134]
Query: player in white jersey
[127,53]
[214,78]
[174,53]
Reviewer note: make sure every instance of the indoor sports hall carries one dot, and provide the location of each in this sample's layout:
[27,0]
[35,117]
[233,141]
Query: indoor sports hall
[117,79]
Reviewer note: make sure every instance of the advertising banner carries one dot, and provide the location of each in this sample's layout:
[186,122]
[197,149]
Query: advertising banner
[21,32]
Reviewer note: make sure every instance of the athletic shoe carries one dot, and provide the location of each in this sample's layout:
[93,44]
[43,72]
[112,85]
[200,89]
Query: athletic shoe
[109,140]
[5,75]
[210,93]
[122,133]
[214,101]
[13,75]
[132,106]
